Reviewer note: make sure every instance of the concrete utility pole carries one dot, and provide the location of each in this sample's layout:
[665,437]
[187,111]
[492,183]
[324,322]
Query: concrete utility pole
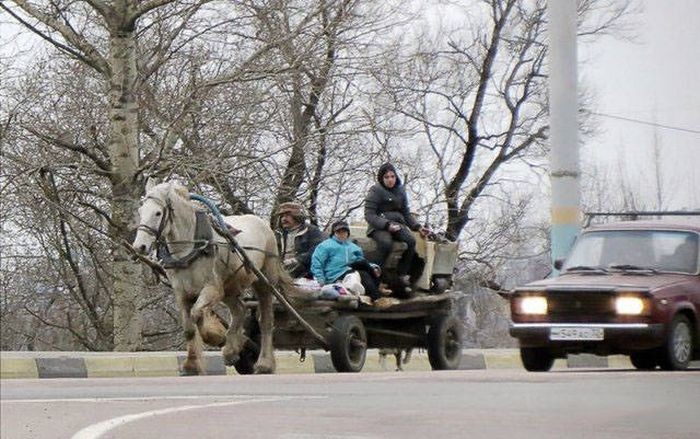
[563,109]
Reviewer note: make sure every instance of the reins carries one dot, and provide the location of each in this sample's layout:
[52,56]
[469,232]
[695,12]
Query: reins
[221,228]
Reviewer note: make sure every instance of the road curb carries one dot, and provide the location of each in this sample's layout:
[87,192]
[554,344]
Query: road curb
[154,364]
[18,368]
[64,367]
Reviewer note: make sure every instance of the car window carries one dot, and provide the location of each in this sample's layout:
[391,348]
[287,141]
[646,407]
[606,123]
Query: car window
[587,251]
[654,249]
[678,251]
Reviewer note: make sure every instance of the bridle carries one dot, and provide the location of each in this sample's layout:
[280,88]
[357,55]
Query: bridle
[203,244]
[166,212]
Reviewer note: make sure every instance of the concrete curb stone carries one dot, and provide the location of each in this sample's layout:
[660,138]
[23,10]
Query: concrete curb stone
[64,367]
[152,364]
[18,368]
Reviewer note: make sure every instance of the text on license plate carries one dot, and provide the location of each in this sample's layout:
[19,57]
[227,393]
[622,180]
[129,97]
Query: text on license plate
[576,333]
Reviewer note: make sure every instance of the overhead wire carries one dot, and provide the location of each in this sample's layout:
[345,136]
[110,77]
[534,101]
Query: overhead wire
[644,122]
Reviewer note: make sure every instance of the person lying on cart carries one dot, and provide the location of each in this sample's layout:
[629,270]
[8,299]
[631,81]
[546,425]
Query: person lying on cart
[337,257]
[296,239]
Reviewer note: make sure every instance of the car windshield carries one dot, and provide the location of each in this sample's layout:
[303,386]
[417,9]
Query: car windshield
[635,250]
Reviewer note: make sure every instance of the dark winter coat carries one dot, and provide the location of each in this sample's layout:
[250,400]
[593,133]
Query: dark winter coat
[383,206]
[305,243]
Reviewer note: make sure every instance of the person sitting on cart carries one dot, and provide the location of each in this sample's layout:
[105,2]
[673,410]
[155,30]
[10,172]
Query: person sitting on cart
[296,239]
[389,219]
[337,256]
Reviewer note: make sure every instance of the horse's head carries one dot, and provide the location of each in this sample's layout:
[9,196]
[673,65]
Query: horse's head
[155,215]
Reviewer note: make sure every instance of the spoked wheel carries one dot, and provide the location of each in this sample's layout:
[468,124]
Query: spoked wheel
[644,360]
[536,359]
[676,353]
[348,344]
[251,350]
[445,343]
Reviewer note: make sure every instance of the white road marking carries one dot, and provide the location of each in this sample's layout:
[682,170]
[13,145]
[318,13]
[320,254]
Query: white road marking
[95,431]
[123,398]
[323,436]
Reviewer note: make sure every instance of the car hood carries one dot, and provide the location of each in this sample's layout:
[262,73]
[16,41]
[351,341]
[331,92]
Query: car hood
[612,280]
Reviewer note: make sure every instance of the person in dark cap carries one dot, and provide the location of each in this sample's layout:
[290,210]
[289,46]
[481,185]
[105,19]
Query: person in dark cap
[389,219]
[296,239]
[337,256]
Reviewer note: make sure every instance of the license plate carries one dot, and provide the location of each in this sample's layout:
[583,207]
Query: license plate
[576,333]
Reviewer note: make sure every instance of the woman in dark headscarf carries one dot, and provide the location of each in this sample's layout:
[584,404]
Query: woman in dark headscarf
[389,219]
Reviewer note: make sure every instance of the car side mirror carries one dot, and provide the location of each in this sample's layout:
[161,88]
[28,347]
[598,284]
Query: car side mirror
[559,263]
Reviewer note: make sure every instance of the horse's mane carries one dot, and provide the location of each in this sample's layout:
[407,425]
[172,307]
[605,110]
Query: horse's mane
[216,281]
[176,193]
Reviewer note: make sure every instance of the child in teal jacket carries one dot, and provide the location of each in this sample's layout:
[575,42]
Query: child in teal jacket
[335,257]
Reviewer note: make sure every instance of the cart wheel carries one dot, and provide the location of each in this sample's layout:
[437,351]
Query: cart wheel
[251,350]
[440,284]
[445,343]
[348,343]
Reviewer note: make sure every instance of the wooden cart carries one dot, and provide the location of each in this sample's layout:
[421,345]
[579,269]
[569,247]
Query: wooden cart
[348,328]
[351,327]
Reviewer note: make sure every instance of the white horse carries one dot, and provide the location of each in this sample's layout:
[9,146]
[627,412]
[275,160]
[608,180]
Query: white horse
[168,215]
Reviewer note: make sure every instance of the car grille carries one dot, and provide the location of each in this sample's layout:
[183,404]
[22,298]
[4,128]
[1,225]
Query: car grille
[580,306]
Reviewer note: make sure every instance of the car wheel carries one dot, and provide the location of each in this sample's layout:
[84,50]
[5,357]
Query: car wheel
[348,344]
[644,360]
[678,349]
[536,359]
[445,343]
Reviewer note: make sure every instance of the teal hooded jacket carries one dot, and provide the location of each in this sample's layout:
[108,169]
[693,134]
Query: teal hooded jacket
[332,259]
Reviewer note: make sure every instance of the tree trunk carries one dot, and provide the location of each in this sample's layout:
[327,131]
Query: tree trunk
[127,281]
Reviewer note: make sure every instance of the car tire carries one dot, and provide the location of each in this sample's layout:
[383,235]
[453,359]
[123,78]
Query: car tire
[644,360]
[676,353]
[536,359]
[348,344]
[445,343]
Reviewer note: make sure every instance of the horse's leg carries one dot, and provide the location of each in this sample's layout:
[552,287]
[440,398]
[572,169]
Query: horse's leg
[212,329]
[235,339]
[266,361]
[209,295]
[193,363]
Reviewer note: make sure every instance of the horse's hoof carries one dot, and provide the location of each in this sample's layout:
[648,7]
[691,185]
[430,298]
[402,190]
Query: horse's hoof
[189,373]
[263,370]
[231,360]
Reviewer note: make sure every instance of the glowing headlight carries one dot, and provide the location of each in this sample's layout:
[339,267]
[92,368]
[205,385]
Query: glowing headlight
[533,305]
[629,305]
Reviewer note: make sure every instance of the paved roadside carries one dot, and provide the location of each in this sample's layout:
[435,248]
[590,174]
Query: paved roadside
[151,364]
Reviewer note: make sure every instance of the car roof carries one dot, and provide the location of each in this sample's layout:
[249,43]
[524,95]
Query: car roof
[676,225]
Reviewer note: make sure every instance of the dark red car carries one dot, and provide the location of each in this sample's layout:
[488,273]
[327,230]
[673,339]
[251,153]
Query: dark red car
[630,288]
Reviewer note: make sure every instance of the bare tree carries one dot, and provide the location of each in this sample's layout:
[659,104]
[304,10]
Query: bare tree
[103,44]
[478,97]
[253,103]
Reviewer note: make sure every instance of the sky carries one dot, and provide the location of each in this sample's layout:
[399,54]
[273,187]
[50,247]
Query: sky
[653,79]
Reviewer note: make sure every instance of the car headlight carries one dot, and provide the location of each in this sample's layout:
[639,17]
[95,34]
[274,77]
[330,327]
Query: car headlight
[533,305]
[631,306]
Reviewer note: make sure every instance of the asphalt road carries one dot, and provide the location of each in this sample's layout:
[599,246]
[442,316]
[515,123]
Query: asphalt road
[456,404]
